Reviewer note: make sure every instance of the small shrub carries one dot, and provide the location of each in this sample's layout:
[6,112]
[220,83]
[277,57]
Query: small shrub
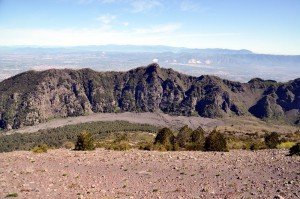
[120,146]
[122,137]
[147,146]
[121,143]
[286,145]
[295,137]
[253,147]
[196,141]
[159,147]
[215,142]
[237,141]
[272,140]
[257,146]
[191,146]
[85,142]
[184,136]
[43,148]
[236,144]
[114,145]
[295,150]
[11,195]
[176,146]
[166,138]
[102,144]
[68,145]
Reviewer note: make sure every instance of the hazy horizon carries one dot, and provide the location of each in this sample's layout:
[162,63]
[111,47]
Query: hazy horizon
[132,45]
[236,40]
[262,27]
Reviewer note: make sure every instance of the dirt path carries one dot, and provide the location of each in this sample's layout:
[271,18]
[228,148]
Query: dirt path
[157,119]
[141,174]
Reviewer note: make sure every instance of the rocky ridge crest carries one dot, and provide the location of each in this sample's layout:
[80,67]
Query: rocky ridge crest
[34,97]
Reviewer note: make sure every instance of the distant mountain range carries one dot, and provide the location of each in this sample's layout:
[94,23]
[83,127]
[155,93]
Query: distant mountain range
[237,65]
[34,97]
[121,48]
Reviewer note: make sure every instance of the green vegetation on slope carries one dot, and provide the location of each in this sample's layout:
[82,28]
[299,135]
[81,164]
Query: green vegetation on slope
[121,135]
[58,136]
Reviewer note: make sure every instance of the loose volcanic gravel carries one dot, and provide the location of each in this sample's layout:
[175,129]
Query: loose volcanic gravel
[150,174]
[156,119]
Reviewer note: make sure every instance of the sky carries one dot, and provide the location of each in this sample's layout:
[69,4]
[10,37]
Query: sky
[262,26]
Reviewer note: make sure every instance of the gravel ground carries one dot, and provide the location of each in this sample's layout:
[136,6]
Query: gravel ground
[156,119]
[62,173]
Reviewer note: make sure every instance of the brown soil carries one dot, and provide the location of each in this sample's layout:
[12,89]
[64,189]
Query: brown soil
[141,174]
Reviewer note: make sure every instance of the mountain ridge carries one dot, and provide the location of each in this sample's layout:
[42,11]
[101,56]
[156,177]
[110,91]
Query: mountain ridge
[37,96]
[126,48]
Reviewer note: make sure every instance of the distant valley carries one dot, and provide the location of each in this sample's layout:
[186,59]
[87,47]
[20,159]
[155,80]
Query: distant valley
[237,65]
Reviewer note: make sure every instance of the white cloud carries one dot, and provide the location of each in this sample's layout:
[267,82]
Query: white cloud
[166,28]
[189,5]
[163,34]
[125,23]
[207,62]
[135,5]
[93,1]
[155,60]
[106,19]
[85,1]
[108,1]
[144,5]
[194,61]
[92,36]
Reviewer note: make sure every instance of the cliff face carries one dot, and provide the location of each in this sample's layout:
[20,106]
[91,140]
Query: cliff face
[33,97]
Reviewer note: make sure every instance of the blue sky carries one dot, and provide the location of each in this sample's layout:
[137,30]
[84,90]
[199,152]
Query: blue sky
[263,26]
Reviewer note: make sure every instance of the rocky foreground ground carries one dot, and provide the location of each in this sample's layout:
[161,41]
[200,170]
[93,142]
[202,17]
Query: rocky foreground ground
[141,174]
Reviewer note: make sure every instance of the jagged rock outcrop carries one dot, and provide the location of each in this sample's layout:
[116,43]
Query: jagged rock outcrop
[33,97]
